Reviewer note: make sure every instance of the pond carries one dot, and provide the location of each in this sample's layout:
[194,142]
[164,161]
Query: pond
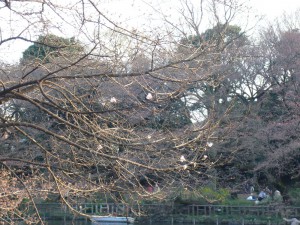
[83,222]
[68,222]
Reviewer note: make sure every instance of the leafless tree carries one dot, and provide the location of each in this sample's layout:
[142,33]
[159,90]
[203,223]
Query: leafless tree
[106,118]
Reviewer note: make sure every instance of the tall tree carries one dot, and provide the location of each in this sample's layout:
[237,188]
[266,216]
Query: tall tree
[266,134]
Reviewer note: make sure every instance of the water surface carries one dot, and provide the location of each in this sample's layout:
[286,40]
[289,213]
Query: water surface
[83,222]
[68,222]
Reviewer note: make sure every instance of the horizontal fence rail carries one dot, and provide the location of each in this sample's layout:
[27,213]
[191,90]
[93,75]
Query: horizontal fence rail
[272,210]
[56,210]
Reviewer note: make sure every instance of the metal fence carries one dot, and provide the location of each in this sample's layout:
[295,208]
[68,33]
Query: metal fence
[56,210]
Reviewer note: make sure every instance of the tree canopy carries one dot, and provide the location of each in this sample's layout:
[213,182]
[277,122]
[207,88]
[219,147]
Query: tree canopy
[52,46]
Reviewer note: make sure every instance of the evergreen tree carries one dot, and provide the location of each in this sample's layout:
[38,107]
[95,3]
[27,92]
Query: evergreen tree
[51,46]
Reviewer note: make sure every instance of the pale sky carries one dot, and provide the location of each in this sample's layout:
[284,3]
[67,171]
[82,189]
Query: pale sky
[134,11]
[273,8]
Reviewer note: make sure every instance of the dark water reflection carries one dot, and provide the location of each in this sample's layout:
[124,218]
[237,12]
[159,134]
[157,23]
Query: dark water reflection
[80,222]
[83,222]
[62,222]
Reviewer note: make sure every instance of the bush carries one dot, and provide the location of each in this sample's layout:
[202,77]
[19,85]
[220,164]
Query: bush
[203,195]
[211,195]
[294,196]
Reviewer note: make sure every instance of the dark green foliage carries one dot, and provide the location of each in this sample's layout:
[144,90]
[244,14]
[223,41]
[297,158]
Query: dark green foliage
[220,34]
[294,196]
[192,41]
[272,107]
[173,115]
[51,46]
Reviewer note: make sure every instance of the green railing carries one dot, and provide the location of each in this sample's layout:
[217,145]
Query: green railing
[56,210]
[270,210]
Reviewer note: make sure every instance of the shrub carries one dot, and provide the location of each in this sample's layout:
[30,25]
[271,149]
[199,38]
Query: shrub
[294,196]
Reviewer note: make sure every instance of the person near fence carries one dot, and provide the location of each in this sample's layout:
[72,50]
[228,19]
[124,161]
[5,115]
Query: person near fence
[262,195]
[293,221]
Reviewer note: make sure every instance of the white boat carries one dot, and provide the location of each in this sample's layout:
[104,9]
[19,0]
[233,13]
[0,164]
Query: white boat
[112,219]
